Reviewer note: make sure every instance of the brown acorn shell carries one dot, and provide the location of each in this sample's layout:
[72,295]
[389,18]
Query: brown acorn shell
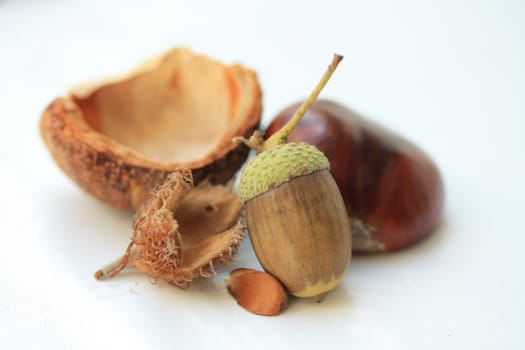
[120,137]
[300,232]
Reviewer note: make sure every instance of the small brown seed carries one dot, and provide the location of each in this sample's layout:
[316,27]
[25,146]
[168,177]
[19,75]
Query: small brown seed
[257,291]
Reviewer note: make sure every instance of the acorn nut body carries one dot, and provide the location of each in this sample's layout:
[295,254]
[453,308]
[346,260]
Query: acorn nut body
[296,218]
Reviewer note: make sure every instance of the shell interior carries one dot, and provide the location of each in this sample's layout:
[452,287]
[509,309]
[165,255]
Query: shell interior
[181,232]
[176,108]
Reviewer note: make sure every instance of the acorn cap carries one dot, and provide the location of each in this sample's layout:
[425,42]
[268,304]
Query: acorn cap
[277,165]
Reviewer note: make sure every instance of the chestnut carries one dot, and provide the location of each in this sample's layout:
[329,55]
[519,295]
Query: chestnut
[392,190]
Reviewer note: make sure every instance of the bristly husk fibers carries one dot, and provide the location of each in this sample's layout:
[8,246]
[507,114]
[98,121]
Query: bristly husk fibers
[182,232]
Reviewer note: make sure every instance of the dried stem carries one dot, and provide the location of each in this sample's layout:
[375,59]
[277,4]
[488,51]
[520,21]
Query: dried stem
[113,269]
[281,136]
[255,141]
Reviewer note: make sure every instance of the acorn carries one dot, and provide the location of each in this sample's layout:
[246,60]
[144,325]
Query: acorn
[294,212]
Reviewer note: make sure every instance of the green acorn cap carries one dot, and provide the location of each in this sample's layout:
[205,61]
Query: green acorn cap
[277,160]
[277,165]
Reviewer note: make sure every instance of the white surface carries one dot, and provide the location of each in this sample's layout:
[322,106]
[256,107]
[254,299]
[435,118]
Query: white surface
[447,74]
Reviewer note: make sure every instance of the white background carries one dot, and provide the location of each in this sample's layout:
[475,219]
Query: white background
[449,75]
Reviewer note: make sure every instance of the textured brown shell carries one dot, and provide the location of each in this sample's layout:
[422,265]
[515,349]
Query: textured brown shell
[119,138]
[182,232]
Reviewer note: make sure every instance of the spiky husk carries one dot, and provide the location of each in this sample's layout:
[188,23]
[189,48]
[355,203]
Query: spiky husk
[182,232]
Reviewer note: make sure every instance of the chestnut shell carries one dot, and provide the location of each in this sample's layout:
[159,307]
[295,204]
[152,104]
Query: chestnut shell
[121,137]
[392,190]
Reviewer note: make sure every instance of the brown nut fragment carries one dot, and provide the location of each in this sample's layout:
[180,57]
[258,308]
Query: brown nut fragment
[121,137]
[182,232]
[257,291]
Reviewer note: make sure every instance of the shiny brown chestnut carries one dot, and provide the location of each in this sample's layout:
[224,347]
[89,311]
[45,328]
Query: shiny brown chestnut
[393,191]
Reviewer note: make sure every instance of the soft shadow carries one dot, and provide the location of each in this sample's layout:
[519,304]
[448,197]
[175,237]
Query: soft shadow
[426,247]
[82,233]
[332,303]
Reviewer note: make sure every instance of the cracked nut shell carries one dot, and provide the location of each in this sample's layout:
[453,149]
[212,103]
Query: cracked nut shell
[119,138]
[182,232]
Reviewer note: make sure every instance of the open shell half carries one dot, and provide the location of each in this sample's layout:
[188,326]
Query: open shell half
[182,232]
[119,138]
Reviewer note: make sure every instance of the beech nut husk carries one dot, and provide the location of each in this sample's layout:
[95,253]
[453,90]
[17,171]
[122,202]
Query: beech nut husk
[392,189]
[182,232]
[119,137]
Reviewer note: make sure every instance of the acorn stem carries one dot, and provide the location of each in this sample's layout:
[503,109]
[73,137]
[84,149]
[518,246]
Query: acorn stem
[281,136]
